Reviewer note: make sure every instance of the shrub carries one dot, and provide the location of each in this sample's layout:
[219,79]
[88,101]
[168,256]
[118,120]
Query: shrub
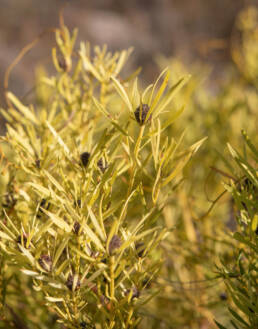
[101,211]
[241,277]
[89,166]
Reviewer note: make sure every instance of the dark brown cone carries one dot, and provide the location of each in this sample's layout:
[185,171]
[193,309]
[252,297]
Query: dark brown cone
[114,244]
[23,241]
[101,165]
[85,156]
[71,284]
[76,227]
[45,261]
[141,114]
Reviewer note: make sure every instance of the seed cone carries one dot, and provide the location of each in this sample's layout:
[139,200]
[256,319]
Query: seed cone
[85,156]
[23,241]
[76,227]
[141,114]
[102,166]
[73,282]
[114,244]
[45,262]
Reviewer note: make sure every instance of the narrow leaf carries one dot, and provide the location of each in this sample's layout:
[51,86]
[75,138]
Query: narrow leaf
[121,91]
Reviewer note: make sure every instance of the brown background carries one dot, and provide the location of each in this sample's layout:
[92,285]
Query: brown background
[170,27]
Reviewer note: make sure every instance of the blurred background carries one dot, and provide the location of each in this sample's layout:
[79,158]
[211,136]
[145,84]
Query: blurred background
[189,29]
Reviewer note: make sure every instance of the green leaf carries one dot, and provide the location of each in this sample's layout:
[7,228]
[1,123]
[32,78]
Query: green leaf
[96,274]
[44,228]
[20,140]
[82,254]
[160,92]
[28,255]
[122,60]
[135,94]
[250,144]
[255,223]
[243,164]
[54,181]
[5,236]
[43,192]
[176,170]
[54,299]
[59,139]
[60,249]
[29,272]
[6,230]
[238,317]
[99,228]
[165,82]
[173,117]
[92,236]
[239,237]
[62,267]
[171,93]
[220,326]
[234,325]
[23,109]
[193,149]
[58,221]
[121,91]
[87,64]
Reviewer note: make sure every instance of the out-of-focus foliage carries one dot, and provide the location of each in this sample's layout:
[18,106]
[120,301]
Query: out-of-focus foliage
[241,275]
[244,44]
[101,210]
[203,212]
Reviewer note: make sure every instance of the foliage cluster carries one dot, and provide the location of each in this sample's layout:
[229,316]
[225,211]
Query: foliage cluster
[104,222]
